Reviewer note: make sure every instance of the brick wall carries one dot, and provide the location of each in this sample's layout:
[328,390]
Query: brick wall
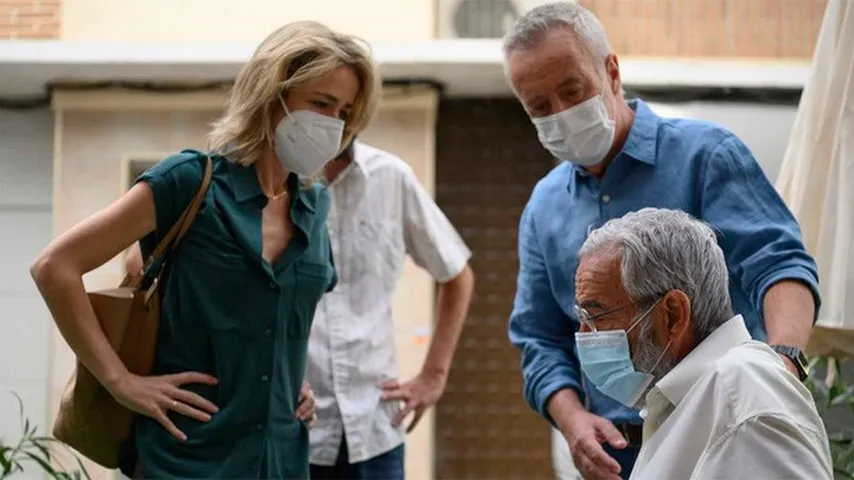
[29,19]
[711,28]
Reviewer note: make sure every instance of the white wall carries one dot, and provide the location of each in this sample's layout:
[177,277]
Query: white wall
[215,21]
[26,161]
[764,128]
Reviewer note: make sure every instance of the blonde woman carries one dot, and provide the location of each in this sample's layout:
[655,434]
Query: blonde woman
[241,290]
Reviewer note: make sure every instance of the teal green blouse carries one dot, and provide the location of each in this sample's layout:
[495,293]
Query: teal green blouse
[229,313]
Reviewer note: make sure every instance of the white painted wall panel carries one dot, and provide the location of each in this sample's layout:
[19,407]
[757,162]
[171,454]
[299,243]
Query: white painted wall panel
[26,159]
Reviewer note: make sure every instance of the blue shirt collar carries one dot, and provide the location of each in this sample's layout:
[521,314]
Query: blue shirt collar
[642,142]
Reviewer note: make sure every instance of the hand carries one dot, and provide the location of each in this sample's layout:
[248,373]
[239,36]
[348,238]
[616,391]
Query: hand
[155,396]
[585,440]
[307,407]
[418,395]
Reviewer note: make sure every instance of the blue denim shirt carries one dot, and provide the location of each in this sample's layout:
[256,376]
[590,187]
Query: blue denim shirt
[690,165]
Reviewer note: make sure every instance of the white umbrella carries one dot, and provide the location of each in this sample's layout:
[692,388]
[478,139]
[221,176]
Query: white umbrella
[817,177]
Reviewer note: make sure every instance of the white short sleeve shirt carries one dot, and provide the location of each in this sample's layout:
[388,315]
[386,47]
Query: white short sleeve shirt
[380,214]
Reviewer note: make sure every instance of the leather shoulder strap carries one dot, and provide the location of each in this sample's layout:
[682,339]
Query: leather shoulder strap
[185,221]
[176,233]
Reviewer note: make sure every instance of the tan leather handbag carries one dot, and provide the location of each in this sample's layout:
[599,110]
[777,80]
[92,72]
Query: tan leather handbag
[90,420]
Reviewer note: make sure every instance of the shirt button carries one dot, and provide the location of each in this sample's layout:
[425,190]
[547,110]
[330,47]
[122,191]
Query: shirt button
[606,198]
[259,427]
[264,378]
[274,287]
[268,332]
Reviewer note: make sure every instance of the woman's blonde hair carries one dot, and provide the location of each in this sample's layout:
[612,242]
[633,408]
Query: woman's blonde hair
[293,55]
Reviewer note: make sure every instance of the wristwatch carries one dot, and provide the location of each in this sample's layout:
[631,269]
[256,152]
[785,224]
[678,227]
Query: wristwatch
[796,356]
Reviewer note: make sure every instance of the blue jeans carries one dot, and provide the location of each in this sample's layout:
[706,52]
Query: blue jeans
[387,466]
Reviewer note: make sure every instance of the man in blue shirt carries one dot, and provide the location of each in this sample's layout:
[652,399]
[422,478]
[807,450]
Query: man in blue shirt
[619,157]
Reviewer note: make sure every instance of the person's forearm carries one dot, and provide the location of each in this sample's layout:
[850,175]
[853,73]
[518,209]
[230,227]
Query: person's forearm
[63,292]
[452,306]
[789,311]
[561,406]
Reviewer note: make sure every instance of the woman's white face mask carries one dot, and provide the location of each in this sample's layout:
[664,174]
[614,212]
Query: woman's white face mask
[305,141]
[581,134]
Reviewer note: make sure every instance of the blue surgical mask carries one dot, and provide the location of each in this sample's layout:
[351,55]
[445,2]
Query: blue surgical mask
[607,362]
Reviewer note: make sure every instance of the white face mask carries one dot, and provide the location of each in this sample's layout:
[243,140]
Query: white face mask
[581,134]
[306,141]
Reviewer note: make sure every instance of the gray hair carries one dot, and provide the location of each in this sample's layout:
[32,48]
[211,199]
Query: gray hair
[530,28]
[662,250]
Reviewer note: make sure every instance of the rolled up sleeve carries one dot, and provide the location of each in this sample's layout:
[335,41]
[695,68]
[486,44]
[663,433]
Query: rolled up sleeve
[758,234]
[539,328]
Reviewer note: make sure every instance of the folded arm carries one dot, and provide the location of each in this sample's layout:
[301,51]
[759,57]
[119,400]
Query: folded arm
[59,269]
[144,213]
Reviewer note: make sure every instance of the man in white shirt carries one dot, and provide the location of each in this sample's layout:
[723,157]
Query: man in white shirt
[658,332]
[380,213]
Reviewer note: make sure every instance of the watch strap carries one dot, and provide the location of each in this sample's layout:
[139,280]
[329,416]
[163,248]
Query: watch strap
[796,356]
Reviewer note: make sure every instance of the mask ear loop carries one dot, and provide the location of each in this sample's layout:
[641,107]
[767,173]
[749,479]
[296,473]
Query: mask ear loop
[663,353]
[285,107]
[643,315]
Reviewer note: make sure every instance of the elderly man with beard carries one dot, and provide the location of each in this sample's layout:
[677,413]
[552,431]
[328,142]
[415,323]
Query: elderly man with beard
[658,331]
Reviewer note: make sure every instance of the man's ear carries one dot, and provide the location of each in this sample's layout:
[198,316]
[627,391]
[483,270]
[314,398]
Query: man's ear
[678,327]
[612,70]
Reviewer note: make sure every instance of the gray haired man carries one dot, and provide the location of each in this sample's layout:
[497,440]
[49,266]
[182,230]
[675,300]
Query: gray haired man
[716,403]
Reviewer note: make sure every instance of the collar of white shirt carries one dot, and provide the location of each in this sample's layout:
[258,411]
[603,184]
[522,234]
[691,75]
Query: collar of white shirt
[671,389]
[356,167]
[359,154]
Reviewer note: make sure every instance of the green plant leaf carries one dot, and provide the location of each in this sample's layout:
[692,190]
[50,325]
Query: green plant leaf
[842,454]
[46,466]
[35,449]
[20,407]
[5,459]
[840,394]
[820,394]
[826,398]
[43,449]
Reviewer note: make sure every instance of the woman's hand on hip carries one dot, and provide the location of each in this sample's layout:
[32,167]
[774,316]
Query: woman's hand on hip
[155,396]
[307,408]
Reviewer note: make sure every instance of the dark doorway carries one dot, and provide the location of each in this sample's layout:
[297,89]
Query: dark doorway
[488,160]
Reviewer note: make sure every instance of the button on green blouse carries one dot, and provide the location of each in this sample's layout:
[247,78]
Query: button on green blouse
[229,313]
